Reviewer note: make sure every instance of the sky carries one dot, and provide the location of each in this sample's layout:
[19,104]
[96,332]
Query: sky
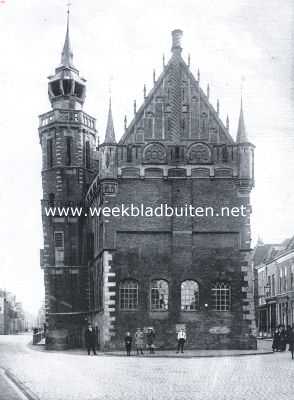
[238,45]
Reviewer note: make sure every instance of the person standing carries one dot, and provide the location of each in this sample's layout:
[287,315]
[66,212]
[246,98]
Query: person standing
[139,340]
[276,341]
[90,340]
[283,338]
[128,343]
[291,341]
[181,337]
[150,340]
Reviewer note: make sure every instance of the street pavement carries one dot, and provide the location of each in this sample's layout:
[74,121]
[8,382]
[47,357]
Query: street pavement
[77,376]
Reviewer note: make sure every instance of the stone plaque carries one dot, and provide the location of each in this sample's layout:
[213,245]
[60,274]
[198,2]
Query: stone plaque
[219,330]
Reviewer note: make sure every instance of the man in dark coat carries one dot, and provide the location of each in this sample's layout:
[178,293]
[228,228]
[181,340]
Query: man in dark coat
[291,341]
[283,338]
[90,340]
[276,340]
[150,340]
[128,343]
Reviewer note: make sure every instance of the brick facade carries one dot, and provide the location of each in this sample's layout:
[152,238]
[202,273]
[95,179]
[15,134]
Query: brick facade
[176,151]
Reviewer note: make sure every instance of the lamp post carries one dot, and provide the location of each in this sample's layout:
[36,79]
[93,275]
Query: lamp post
[268,316]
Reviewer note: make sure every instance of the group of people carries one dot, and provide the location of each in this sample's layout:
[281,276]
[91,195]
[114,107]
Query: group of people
[140,338]
[283,336]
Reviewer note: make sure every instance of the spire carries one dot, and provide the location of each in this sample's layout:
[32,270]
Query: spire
[241,134]
[67,54]
[109,134]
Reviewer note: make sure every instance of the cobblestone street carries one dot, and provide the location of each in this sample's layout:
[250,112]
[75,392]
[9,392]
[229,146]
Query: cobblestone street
[69,376]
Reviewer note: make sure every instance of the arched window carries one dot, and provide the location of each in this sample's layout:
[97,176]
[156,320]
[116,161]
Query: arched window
[128,295]
[221,296]
[189,296]
[159,295]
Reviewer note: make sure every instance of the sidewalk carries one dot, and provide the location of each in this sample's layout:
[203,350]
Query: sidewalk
[8,391]
[263,347]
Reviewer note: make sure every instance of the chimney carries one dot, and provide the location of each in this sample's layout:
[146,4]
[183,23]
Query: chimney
[176,41]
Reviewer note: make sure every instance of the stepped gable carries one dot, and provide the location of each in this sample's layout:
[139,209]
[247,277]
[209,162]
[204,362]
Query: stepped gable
[176,110]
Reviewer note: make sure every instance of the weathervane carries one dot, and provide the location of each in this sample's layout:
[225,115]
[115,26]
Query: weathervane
[68,7]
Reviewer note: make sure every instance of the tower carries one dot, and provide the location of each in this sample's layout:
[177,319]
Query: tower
[67,137]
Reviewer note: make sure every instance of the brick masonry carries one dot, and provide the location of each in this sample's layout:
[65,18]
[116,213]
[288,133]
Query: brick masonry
[176,151]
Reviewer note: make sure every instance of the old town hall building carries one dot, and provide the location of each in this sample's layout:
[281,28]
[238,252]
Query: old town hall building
[121,272]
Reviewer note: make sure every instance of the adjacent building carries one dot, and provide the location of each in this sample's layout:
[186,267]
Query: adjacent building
[275,271]
[12,319]
[121,272]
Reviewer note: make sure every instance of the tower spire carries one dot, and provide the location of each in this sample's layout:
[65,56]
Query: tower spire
[109,134]
[241,134]
[67,54]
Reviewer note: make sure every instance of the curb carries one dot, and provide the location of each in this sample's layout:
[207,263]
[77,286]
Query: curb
[20,385]
[156,355]
[190,356]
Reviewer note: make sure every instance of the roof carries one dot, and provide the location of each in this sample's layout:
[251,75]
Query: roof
[177,108]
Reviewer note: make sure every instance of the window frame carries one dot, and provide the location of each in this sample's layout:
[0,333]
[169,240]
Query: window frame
[186,296]
[126,301]
[220,303]
[50,157]
[154,308]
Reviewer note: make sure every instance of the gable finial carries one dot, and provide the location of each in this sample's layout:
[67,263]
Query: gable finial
[198,75]
[125,122]
[163,60]
[217,106]
[208,91]
[189,60]
[135,107]
[144,91]
[154,76]
[176,41]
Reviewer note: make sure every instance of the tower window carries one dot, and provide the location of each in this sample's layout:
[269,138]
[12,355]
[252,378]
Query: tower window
[51,199]
[221,296]
[59,247]
[67,85]
[88,163]
[159,295]
[55,87]
[128,295]
[49,153]
[68,142]
[189,296]
[79,90]
[59,240]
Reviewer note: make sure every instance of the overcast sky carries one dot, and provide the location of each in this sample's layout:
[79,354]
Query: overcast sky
[118,43]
